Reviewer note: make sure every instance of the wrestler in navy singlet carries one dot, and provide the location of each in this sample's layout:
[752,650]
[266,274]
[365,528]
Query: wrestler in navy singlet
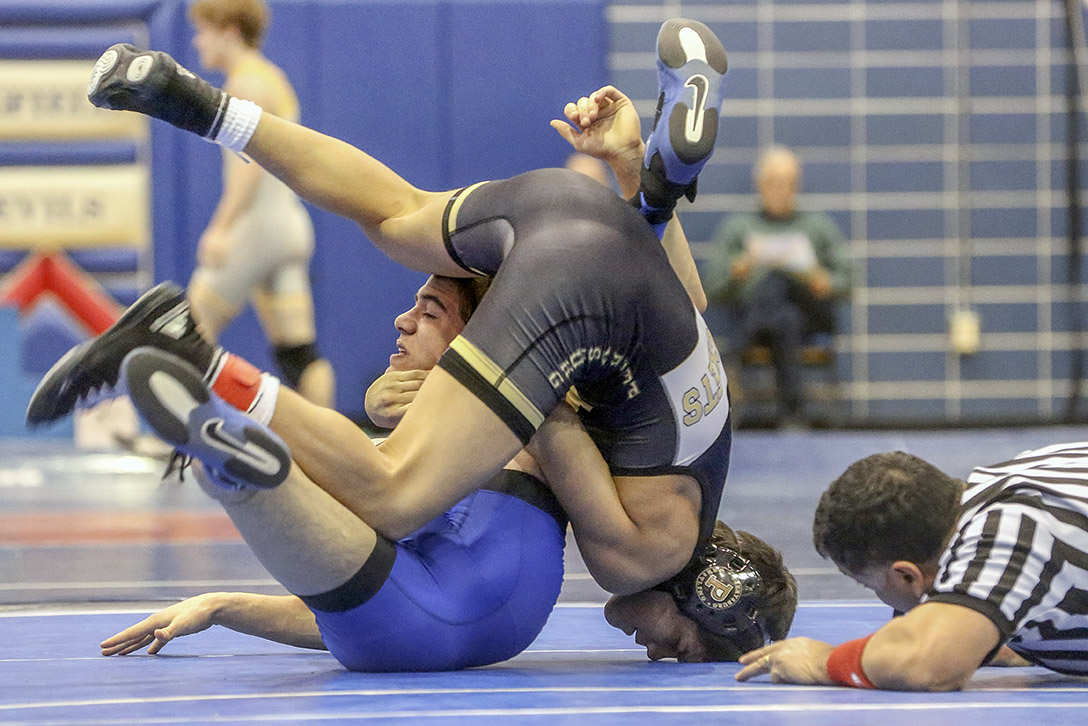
[472,587]
[583,295]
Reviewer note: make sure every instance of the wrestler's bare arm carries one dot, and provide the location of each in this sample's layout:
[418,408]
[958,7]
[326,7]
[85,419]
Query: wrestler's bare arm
[633,532]
[280,618]
[402,221]
[934,647]
[675,240]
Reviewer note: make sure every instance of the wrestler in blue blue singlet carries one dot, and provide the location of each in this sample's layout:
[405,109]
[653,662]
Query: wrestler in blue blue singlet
[472,587]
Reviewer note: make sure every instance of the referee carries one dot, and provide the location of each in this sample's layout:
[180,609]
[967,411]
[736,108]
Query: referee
[999,560]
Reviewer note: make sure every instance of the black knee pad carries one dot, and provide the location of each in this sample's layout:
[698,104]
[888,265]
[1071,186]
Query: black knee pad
[293,359]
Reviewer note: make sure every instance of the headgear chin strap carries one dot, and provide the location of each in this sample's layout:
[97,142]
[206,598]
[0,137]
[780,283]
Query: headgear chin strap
[721,591]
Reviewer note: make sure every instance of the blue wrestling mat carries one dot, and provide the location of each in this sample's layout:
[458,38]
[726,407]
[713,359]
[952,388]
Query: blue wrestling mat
[578,671]
[90,544]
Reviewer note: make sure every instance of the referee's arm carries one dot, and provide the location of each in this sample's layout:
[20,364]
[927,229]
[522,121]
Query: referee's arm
[934,647]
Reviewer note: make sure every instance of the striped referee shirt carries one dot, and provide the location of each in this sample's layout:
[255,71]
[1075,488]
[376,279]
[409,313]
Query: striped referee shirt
[1020,554]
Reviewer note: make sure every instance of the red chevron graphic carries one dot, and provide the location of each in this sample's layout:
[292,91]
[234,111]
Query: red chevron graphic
[55,273]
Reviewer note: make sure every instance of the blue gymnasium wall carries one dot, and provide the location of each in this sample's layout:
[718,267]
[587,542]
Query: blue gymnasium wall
[446,92]
[933,132]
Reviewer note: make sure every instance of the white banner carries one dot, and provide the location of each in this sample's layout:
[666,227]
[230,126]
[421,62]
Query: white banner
[42,100]
[69,207]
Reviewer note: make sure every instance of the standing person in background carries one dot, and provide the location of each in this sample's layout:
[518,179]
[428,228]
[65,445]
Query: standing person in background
[259,242]
[781,269]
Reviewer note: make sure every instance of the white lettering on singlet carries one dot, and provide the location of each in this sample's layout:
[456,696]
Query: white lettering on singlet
[697,393]
[597,356]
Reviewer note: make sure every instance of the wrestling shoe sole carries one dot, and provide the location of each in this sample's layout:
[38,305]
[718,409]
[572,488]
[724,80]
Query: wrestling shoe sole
[692,60]
[95,363]
[172,399]
[680,40]
[122,76]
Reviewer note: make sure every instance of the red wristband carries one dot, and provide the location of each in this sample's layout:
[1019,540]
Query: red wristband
[844,664]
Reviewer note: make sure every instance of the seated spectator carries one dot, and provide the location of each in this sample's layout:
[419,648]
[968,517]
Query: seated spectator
[781,269]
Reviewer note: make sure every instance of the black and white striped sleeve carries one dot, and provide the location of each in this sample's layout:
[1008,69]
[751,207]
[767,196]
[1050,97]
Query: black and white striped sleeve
[1001,565]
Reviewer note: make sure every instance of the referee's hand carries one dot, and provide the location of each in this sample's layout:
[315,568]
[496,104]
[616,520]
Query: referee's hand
[796,660]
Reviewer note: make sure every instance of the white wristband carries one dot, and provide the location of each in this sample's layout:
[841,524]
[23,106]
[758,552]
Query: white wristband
[239,122]
[264,405]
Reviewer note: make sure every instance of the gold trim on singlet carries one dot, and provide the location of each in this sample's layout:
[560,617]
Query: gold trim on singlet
[455,206]
[495,376]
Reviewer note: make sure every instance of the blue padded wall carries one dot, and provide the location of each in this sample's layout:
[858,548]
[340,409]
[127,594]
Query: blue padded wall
[18,386]
[446,92]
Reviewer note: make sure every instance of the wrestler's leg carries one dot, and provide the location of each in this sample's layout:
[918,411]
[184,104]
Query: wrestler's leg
[402,221]
[286,312]
[325,171]
[421,470]
[445,447]
[305,539]
[691,63]
[318,383]
[218,293]
[211,310]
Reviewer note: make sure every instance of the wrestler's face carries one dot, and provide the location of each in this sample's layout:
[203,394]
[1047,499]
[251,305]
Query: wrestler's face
[427,329]
[653,618]
[211,43]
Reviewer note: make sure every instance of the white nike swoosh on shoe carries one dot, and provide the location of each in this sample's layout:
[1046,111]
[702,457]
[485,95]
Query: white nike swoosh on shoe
[693,123]
[247,452]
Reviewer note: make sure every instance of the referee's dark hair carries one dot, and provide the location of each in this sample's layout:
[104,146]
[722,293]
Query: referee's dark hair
[886,508]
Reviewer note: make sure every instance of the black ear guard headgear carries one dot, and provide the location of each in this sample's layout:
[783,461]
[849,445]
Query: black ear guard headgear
[722,592]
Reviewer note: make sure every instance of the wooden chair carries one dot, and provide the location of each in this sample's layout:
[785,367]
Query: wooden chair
[752,385]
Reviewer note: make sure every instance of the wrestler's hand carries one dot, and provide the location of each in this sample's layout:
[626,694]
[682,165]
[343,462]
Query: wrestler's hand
[388,398]
[796,660]
[185,618]
[819,282]
[742,266]
[212,249]
[605,125]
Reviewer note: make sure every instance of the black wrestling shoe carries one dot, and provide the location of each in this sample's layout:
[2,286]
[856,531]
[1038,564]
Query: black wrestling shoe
[160,318]
[150,82]
[173,400]
[691,65]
